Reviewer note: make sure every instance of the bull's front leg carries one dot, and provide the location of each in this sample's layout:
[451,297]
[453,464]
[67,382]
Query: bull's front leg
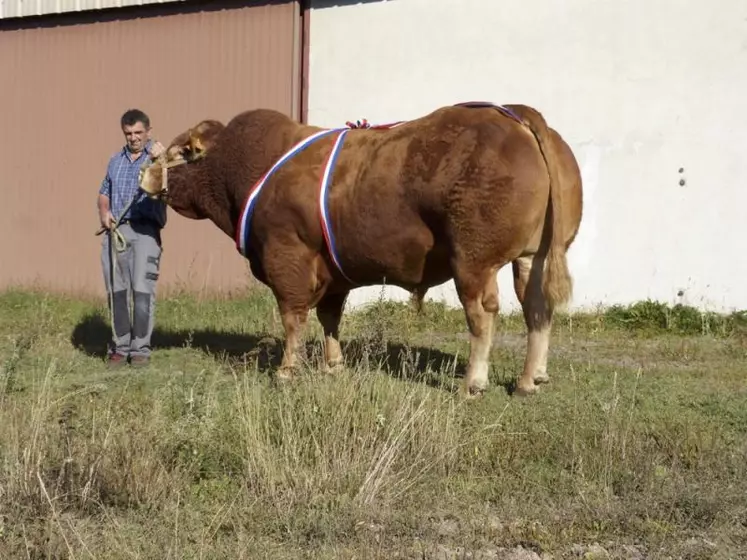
[293,270]
[294,323]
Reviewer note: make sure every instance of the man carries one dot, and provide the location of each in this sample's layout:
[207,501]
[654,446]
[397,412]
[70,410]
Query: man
[137,243]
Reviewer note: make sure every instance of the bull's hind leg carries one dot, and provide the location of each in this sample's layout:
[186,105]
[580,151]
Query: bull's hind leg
[478,294]
[538,317]
[329,313]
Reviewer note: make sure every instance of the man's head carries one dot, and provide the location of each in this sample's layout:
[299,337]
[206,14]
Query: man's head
[136,129]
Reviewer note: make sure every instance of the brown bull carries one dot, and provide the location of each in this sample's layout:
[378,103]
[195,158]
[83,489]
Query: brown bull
[456,194]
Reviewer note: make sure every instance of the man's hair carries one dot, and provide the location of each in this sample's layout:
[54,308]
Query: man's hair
[132,116]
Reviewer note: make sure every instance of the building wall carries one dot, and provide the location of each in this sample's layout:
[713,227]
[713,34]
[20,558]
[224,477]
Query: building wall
[639,89]
[66,81]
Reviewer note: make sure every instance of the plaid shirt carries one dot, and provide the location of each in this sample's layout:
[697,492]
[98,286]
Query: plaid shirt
[120,185]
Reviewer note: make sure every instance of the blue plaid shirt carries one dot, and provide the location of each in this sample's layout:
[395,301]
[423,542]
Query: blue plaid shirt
[120,185]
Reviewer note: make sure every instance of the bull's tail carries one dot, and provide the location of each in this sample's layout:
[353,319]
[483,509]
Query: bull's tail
[557,282]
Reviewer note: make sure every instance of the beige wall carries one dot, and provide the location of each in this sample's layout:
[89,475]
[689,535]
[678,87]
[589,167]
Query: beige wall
[639,89]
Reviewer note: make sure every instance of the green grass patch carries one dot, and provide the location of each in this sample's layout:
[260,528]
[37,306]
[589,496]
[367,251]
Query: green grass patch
[638,444]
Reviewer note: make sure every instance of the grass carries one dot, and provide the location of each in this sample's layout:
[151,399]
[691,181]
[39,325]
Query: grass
[637,448]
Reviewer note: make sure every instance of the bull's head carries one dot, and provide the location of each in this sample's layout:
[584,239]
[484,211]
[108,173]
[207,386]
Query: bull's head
[188,147]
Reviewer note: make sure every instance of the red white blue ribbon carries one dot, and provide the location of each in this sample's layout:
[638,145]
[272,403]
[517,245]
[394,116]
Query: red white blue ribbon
[326,179]
[329,236]
[487,104]
[244,228]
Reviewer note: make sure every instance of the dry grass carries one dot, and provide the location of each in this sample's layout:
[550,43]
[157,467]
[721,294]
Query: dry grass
[639,444]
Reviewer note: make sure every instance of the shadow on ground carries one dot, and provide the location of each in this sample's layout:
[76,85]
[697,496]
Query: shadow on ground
[412,363]
[92,334]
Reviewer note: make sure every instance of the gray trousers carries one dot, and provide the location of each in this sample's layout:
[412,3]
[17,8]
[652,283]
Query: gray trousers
[135,277]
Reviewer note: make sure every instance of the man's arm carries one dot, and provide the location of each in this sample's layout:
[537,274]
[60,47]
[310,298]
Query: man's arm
[105,214]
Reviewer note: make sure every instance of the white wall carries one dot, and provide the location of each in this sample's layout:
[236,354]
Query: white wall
[639,89]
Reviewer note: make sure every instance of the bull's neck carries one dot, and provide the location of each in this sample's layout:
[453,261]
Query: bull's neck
[212,199]
[222,199]
[255,170]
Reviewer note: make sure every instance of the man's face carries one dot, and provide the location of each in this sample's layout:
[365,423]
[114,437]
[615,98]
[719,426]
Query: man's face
[136,136]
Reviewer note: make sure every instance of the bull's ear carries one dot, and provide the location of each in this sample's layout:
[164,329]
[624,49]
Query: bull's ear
[202,138]
[179,147]
[195,148]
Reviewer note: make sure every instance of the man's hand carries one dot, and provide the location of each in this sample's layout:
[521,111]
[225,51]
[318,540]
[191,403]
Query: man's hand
[156,149]
[107,220]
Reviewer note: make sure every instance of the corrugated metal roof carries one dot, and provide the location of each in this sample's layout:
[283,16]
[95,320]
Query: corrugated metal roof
[28,8]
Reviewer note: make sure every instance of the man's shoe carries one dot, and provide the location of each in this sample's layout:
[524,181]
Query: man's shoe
[139,361]
[116,360]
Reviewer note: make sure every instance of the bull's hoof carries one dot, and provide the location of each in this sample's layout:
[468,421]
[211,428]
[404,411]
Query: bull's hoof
[474,390]
[284,375]
[334,367]
[526,389]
